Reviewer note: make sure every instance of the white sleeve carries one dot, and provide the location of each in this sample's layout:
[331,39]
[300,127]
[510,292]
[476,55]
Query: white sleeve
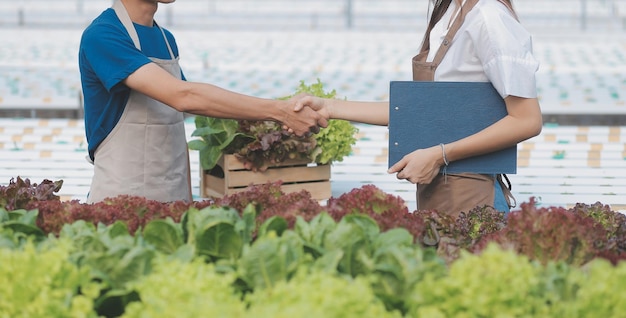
[505,50]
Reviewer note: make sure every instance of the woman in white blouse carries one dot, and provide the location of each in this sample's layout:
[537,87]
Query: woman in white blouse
[487,44]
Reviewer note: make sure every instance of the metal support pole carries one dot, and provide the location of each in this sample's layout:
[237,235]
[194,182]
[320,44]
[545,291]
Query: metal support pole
[349,14]
[20,14]
[583,14]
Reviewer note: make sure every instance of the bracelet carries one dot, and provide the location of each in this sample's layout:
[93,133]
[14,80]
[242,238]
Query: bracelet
[446,162]
[443,150]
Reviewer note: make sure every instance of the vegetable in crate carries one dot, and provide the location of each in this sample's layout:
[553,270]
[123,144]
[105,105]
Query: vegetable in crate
[260,144]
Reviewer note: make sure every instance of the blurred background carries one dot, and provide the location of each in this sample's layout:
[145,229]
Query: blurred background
[396,15]
[356,47]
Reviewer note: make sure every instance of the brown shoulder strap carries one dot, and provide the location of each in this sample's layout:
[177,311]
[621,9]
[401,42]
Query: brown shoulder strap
[447,40]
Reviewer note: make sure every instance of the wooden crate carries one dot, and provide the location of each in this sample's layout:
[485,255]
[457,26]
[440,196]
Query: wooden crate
[296,175]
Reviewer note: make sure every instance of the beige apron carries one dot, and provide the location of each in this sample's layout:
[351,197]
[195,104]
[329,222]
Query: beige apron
[146,153]
[452,193]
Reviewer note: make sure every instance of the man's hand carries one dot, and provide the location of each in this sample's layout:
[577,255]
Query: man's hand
[300,110]
[305,103]
[302,122]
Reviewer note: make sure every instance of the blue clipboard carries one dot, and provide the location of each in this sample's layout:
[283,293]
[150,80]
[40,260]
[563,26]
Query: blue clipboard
[425,114]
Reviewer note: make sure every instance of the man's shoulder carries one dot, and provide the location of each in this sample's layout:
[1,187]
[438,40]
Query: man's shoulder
[107,21]
[105,30]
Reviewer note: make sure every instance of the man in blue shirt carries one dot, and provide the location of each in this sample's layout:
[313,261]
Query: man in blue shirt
[135,95]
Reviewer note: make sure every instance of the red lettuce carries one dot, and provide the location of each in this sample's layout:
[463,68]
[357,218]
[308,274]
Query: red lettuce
[549,234]
[135,211]
[20,192]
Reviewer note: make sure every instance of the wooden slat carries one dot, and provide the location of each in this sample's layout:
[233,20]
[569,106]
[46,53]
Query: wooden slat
[242,178]
[296,175]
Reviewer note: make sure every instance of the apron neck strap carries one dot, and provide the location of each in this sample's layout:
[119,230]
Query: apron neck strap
[122,14]
[456,25]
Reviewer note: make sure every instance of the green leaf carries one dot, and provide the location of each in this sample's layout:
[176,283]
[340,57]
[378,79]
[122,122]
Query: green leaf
[271,259]
[24,228]
[247,225]
[217,134]
[4,215]
[395,276]
[77,229]
[196,144]
[195,221]
[275,224]
[209,157]
[22,221]
[393,237]
[313,233]
[225,213]
[228,139]
[329,262]
[23,216]
[8,239]
[188,226]
[185,253]
[366,223]
[303,228]
[114,258]
[399,267]
[201,121]
[219,240]
[119,228]
[120,264]
[165,235]
[203,131]
[135,263]
[356,244]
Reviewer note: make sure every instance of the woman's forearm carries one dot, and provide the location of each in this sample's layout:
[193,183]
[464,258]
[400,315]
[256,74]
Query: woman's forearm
[375,113]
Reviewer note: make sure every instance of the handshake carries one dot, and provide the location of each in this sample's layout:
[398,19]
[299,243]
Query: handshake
[305,114]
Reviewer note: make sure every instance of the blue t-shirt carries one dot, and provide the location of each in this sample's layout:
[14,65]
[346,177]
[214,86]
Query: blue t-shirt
[107,56]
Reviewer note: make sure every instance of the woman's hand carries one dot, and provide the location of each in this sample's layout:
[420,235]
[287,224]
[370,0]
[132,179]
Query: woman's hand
[302,118]
[420,166]
[317,104]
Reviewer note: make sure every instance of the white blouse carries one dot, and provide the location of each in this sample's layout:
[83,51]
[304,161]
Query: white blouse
[491,46]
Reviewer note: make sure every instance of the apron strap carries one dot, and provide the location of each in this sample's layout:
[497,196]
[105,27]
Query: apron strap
[122,14]
[447,40]
[169,48]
